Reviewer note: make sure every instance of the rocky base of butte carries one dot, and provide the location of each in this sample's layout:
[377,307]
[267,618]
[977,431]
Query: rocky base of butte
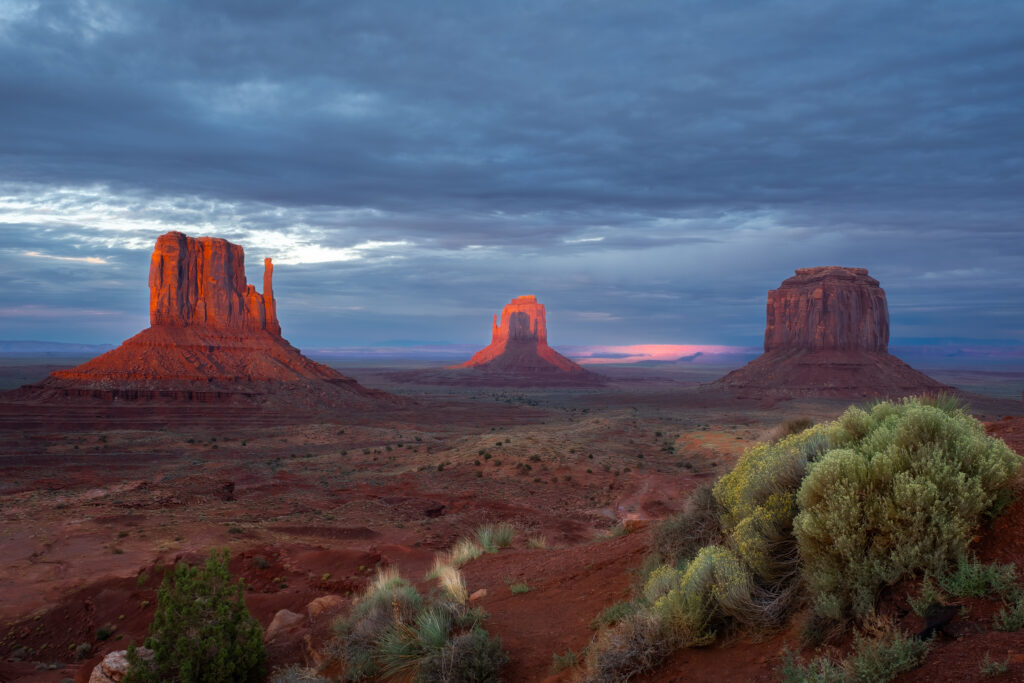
[827,334]
[212,338]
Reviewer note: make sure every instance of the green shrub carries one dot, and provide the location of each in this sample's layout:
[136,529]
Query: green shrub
[873,660]
[680,537]
[470,657]
[758,499]
[393,632]
[973,579]
[202,630]
[929,595]
[715,586]
[883,658]
[796,425]
[1010,617]
[901,491]
[993,667]
[818,670]
[835,511]
[613,614]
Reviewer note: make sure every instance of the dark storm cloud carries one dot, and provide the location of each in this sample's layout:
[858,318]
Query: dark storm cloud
[649,169]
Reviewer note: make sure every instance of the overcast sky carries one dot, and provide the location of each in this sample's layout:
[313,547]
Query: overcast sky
[648,169]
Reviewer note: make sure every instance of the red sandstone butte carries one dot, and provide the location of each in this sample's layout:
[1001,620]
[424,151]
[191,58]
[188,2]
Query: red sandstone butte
[212,337]
[827,334]
[519,345]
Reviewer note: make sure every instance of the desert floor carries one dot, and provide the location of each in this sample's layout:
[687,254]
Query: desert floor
[95,499]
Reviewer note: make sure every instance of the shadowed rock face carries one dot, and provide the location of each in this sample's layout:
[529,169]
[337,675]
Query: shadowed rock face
[827,334]
[212,338]
[519,344]
[828,309]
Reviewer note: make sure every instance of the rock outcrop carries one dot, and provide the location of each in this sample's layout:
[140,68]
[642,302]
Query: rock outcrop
[827,334]
[200,282]
[828,309]
[113,668]
[212,338]
[519,348]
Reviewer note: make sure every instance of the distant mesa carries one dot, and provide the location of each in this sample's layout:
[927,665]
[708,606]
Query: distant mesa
[827,334]
[519,348]
[212,337]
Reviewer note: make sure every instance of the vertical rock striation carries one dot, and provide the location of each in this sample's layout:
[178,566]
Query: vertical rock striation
[827,333]
[828,308]
[201,282]
[212,337]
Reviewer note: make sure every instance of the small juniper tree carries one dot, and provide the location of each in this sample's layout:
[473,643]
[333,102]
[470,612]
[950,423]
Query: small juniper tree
[202,631]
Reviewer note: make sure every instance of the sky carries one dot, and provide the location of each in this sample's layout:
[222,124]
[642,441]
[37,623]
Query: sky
[649,170]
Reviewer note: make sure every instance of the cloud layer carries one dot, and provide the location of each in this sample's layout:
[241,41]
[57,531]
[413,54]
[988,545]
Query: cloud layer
[648,169]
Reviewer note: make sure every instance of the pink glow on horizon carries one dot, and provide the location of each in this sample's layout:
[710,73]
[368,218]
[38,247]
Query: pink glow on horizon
[632,353]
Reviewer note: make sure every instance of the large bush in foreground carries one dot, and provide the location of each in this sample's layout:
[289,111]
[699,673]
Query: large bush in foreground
[202,631]
[904,493]
[835,512]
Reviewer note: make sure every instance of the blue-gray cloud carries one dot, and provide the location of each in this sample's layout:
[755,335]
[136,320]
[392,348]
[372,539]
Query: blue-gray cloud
[648,169]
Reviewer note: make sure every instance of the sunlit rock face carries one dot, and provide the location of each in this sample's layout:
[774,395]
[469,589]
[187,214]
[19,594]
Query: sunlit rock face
[827,334]
[201,282]
[212,337]
[519,343]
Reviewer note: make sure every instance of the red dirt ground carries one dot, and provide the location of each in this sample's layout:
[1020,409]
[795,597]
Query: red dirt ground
[92,499]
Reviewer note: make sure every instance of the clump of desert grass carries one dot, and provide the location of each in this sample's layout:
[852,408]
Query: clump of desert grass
[489,538]
[494,537]
[394,632]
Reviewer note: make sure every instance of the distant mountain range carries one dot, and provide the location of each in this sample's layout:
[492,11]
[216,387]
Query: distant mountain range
[48,348]
[943,353]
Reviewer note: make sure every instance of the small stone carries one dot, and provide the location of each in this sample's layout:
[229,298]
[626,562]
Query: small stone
[478,594]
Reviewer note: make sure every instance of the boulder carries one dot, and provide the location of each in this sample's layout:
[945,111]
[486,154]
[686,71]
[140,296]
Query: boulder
[325,603]
[114,667]
[284,621]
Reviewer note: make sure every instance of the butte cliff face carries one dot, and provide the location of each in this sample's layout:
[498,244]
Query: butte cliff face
[200,282]
[828,309]
[212,337]
[827,333]
[519,347]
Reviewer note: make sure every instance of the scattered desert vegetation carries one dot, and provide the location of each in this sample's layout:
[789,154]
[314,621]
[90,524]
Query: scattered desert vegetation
[394,632]
[202,630]
[824,517]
